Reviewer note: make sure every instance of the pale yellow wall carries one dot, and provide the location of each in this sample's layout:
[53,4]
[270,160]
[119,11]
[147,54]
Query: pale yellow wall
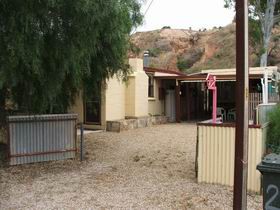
[120,99]
[115,99]
[141,94]
[136,104]
[130,97]
[156,106]
[216,155]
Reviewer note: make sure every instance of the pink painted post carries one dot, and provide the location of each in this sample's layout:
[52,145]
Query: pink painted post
[211,83]
[214,105]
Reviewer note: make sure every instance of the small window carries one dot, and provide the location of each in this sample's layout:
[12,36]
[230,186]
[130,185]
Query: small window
[151,93]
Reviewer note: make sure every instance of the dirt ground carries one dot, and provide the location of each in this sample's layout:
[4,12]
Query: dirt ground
[149,168]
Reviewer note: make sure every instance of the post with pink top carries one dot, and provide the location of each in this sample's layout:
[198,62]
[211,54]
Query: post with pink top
[211,84]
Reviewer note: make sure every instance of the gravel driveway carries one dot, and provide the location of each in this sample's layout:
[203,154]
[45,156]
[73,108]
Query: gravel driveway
[149,168]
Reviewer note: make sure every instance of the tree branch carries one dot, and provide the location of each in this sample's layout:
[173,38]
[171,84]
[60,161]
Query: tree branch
[260,15]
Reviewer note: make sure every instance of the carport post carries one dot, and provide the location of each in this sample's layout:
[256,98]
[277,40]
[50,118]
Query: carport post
[214,105]
[178,101]
[242,95]
[82,142]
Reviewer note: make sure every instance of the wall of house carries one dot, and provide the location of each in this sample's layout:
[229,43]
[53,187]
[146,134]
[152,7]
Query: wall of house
[115,99]
[141,93]
[156,106]
[130,97]
[136,103]
[119,99]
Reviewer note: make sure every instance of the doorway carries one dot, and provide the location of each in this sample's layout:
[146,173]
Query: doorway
[92,107]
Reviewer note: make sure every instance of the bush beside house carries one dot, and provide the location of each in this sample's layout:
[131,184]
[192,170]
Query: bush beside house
[273,134]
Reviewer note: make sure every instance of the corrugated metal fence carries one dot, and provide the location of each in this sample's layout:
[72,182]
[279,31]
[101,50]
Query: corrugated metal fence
[215,158]
[40,138]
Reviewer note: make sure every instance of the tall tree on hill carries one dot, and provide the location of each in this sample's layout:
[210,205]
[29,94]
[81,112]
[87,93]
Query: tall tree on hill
[50,50]
[263,15]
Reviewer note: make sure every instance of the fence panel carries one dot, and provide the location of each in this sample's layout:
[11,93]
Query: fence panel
[215,158]
[41,138]
[254,100]
[273,98]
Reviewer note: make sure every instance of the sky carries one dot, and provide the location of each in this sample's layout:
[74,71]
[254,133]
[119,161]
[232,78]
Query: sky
[182,14]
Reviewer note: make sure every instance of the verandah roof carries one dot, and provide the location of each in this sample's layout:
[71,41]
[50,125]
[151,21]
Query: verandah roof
[221,74]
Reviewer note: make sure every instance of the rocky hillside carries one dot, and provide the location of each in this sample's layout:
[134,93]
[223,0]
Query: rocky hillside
[190,51]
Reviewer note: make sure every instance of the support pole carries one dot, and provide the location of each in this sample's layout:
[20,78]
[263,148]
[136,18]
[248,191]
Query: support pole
[82,142]
[266,85]
[214,117]
[242,97]
[263,91]
[211,84]
[178,101]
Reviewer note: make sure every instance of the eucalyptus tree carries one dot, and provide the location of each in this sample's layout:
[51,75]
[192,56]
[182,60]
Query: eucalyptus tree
[52,49]
[263,15]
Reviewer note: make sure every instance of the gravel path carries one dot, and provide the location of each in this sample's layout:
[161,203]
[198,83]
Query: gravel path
[149,168]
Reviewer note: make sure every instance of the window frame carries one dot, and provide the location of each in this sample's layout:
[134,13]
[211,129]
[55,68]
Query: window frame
[151,86]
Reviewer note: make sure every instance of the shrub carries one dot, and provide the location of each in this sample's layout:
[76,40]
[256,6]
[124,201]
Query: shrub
[273,133]
[166,27]
[154,52]
[182,64]
[188,59]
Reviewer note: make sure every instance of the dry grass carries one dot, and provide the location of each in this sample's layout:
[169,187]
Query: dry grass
[150,168]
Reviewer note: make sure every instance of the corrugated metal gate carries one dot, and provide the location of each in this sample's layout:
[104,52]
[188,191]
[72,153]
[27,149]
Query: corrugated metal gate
[40,138]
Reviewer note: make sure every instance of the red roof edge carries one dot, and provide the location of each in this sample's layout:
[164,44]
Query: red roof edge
[149,69]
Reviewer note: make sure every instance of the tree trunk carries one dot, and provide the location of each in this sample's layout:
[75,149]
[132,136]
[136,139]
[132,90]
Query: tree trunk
[264,57]
[267,24]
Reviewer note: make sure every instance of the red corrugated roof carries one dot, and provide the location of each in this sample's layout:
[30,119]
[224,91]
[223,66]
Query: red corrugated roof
[178,73]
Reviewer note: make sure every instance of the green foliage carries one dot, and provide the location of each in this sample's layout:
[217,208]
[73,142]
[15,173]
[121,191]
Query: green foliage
[154,52]
[255,29]
[252,6]
[166,27]
[134,49]
[273,133]
[51,50]
[189,58]
[255,32]
[182,64]
[229,3]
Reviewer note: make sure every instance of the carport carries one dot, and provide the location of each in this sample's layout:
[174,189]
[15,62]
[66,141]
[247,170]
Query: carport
[195,99]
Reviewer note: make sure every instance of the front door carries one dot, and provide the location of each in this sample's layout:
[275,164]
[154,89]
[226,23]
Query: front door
[170,105]
[92,108]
